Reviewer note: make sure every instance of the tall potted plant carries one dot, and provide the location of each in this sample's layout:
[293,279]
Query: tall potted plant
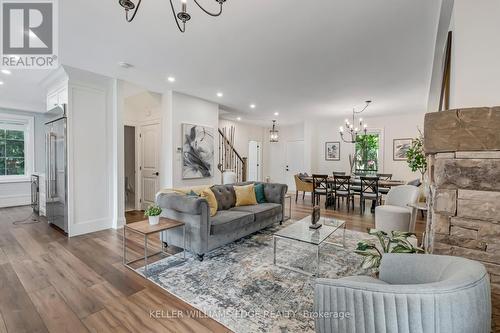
[415,156]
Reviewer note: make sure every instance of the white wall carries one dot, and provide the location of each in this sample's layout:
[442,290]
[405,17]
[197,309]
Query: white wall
[274,158]
[188,109]
[92,153]
[19,193]
[475,74]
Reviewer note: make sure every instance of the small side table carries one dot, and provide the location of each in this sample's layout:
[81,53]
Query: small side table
[145,229]
[286,218]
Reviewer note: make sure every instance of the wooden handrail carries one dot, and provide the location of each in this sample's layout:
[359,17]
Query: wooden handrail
[230,159]
[230,145]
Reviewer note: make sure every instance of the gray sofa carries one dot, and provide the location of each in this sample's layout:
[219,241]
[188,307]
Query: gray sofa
[415,293]
[205,233]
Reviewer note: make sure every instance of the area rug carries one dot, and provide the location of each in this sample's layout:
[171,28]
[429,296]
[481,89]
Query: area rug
[239,286]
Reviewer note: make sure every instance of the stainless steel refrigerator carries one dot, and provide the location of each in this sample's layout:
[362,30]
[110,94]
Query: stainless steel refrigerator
[56,168]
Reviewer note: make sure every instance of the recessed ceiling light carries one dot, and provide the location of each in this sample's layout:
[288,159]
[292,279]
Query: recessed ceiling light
[253,106]
[6,72]
[276,113]
[125,65]
[219,94]
[171,79]
[1,83]
[239,118]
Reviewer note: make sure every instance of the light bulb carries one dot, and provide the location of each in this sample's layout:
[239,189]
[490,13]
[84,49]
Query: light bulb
[341,129]
[184,5]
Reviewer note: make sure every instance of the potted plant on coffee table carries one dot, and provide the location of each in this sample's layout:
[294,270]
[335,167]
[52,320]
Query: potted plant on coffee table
[153,214]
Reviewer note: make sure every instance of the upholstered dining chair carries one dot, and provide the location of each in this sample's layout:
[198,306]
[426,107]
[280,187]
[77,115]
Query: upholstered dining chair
[369,191]
[421,293]
[322,188]
[396,214]
[302,186]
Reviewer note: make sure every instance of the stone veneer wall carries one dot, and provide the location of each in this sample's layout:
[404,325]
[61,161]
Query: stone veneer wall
[463,148]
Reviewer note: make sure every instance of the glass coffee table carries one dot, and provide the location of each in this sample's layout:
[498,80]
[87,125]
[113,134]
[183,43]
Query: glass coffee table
[300,232]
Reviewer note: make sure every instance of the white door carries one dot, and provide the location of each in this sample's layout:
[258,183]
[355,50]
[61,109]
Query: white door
[294,162]
[254,161]
[150,163]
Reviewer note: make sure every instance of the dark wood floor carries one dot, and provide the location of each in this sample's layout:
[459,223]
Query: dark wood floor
[51,283]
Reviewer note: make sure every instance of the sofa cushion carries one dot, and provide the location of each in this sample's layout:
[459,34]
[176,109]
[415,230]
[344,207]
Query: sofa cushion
[262,212]
[227,221]
[225,196]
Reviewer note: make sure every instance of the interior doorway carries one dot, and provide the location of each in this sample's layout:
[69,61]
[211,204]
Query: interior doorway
[130,167]
[150,163]
[254,161]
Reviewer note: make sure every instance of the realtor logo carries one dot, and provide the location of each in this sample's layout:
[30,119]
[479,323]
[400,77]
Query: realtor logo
[29,34]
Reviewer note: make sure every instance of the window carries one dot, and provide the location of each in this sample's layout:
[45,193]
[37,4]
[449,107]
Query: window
[16,147]
[11,152]
[367,153]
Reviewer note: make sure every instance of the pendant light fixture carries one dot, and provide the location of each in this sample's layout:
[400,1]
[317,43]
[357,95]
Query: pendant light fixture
[352,130]
[180,17]
[274,133]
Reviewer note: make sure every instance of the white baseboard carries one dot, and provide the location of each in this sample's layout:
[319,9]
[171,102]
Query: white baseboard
[87,227]
[14,200]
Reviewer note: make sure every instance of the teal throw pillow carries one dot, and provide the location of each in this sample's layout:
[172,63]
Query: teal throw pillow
[192,194]
[259,193]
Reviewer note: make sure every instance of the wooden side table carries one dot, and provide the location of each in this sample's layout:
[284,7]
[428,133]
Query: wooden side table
[145,229]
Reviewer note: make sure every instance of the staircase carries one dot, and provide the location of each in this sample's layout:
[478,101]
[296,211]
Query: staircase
[229,158]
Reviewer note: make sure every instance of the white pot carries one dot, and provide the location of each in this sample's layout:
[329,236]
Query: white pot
[153,220]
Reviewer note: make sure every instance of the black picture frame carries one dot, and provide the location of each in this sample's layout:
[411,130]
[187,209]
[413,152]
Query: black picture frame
[328,155]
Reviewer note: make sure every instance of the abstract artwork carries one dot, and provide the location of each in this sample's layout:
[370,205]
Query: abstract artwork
[400,147]
[332,151]
[197,151]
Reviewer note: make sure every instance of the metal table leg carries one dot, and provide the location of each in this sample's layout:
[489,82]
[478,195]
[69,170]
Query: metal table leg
[317,258]
[146,256]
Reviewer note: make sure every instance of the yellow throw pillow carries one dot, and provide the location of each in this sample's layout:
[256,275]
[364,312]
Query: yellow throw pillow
[245,195]
[212,201]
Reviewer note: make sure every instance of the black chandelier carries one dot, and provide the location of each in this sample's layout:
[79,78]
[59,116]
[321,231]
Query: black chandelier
[180,18]
[351,129]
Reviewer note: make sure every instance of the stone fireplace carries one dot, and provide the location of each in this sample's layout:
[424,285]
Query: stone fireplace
[463,149]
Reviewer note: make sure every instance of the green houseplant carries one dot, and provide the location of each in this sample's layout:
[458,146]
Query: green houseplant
[153,214]
[415,156]
[397,242]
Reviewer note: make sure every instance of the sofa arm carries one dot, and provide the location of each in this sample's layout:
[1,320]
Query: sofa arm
[275,193]
[181,203]
[191,210]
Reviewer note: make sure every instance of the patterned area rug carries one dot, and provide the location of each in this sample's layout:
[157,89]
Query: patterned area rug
[239,286]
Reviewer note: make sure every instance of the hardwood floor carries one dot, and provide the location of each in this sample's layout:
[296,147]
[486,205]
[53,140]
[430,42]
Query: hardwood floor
[49,283]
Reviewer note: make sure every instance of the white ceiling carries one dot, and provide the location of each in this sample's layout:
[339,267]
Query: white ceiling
[301,58]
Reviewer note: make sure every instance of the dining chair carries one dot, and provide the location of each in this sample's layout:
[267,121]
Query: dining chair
[301,185]
[321,187]
[385,177]
[369,191]
[342,188]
